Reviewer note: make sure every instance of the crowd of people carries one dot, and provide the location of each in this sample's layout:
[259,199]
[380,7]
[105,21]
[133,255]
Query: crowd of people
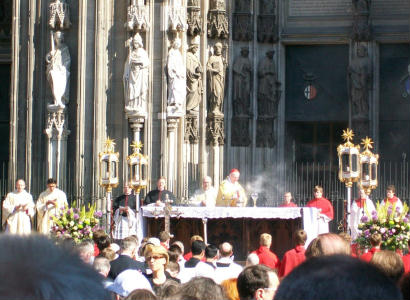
[121,266]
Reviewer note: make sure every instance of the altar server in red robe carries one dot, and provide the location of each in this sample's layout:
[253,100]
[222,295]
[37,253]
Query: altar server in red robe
[375,241]
[267,257]
[392,198]
[325,207]
[295,256]
[288,200]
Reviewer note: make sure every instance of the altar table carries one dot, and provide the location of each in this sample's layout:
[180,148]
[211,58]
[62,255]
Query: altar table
[241,226]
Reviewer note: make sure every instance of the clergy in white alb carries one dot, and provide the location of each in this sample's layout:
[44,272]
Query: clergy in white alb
[18,209]
[49,204]
[361,206]
[205,196]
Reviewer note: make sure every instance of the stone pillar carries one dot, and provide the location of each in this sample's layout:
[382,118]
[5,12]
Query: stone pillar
[172,125]
[137,124]
[57,134]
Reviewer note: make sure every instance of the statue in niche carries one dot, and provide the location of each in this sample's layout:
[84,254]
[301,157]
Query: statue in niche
[176,79]
[359,83]
[135,76]
[268,86]
[267,7]
[361,20]
[193,78]
[242,79]
[216,81]
[58,69]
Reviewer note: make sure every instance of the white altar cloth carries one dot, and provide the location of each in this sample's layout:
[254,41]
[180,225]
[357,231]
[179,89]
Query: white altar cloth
[310,214]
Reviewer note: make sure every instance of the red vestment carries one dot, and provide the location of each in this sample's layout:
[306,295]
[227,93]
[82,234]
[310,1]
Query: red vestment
[391,200]
[188,256]
[324,205]
[406,262]
[368,256]
[267,257]
[291,260]
[290,204]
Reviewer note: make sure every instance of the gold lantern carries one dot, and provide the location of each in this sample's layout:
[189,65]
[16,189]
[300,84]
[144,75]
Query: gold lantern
[368,167]
[109,166]
[137,168]
[349,155]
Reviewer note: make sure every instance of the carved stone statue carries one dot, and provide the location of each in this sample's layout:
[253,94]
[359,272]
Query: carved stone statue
[359,83]
[268,85]
[242,79]
[58,69]
[266,27]
[193,78]
[194,18]
[176,79]
[216,81]
[59,15]
[135,76]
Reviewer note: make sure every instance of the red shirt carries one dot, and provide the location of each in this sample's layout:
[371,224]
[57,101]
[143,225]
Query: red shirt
[267,257]
[96,250]
[290,204]
[188,256]
[291,260]
[406,262]
[324,205]
[391,200]
[368,256]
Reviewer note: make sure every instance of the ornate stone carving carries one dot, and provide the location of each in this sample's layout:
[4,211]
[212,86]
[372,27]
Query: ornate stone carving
[268,86]
[58,69]
[217,20]
[176,16]
[194,73]
[176,72]
[194,19]
[267,29]
[242,27]
[242,83]
[135,78]
[59,12]
[240,132]
[56,126]
[191,129]
[216,81]
[265,136]
[137,16]
[361,29]
[215,135]
[359,83]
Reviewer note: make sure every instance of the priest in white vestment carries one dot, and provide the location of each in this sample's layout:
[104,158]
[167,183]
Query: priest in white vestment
[49,204]
[360,207]
[205,196]
[18,209]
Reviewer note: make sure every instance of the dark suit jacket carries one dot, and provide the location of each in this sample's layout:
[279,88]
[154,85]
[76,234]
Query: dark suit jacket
[122,263]
[153,196]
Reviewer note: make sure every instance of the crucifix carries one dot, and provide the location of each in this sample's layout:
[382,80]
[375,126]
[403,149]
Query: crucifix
[168,213]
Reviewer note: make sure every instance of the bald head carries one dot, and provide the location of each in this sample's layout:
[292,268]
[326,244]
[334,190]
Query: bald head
[225,249]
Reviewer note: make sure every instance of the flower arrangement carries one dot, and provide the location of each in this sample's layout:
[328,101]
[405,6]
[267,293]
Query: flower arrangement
[76,223]
[392,224]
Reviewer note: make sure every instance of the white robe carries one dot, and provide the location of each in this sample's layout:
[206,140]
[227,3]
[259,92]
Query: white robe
[208,196]
[18,222]
[44,212]
[356,214]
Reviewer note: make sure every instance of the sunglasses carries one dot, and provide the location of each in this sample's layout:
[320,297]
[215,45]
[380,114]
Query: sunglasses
[154,257]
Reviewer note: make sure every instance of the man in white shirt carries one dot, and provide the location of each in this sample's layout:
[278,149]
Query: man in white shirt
[206,196]
[208,267]
[225,267]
